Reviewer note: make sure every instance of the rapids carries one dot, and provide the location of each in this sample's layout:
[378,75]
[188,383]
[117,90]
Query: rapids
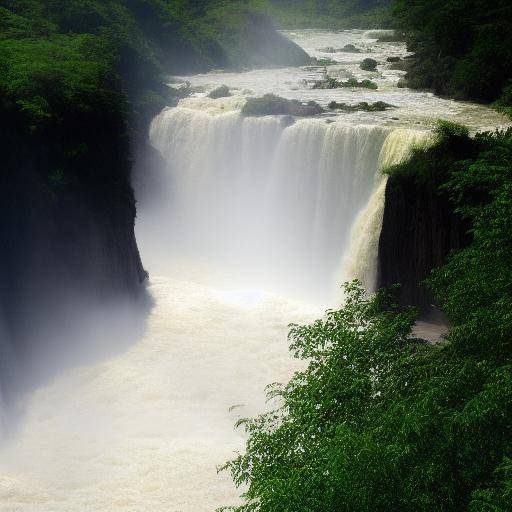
[254,225]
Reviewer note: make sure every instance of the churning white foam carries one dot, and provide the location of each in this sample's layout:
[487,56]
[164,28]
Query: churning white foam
[147,429]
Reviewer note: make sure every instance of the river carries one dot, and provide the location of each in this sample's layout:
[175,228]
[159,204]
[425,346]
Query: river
[252,225]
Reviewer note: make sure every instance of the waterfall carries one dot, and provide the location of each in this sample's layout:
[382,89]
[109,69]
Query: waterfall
[361,258]
[277,205]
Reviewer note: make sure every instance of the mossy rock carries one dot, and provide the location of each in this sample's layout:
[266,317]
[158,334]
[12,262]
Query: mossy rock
[369,65]
[349,48]
[270,104]
[322,62]
[332,83]
[378,106]
[220,92]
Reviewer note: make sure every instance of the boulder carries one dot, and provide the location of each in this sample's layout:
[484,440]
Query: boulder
[270,104]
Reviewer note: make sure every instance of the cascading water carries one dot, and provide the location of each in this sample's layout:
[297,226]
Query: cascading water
[274,204]
[360,259]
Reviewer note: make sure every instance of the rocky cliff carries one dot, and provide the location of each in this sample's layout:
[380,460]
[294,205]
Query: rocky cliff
[419,231]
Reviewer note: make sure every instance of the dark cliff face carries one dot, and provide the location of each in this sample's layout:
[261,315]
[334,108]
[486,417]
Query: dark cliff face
[67,234]
[268,47]
[79,85]
[419,231]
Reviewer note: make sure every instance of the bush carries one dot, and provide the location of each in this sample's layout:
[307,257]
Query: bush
[350,48]
[322,62]
[504,103]
[369,65]
[451,59]
[332,83]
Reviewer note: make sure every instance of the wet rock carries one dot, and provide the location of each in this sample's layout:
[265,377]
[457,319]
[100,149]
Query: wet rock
[332,83]
[220,92]
[378,106]
[369,65]
[349,48]
[420,229]
[287,121]
[270,104]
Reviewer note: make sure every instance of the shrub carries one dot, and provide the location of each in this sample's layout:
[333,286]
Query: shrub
[350,48]
[322,62]
[332,83]
[378,106]
[368,65]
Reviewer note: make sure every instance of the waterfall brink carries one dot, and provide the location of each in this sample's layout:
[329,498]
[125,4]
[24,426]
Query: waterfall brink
[279,206]
[360,261]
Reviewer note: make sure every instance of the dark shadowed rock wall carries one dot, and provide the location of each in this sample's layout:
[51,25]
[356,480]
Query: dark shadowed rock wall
[419,231]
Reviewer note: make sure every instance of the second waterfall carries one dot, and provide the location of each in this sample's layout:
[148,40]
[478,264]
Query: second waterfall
[275,206]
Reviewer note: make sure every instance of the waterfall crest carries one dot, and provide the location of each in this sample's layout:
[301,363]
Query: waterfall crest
[360,260]
[278,205]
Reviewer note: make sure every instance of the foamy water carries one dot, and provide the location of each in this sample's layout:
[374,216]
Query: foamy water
[146,430]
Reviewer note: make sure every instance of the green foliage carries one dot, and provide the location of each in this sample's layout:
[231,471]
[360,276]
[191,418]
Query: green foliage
[369,65]
[377,421]
[378,106]
[46,78]
[430,165]
[474,287]
[333,83]
[326,13]
[463,47]
[350,48]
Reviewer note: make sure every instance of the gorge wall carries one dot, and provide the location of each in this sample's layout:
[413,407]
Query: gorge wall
[420,229]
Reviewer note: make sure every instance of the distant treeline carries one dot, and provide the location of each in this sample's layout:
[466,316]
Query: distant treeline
[327,13]
[463,48]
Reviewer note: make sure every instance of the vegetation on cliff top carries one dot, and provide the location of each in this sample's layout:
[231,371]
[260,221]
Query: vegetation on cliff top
[67,66]
[382,421]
